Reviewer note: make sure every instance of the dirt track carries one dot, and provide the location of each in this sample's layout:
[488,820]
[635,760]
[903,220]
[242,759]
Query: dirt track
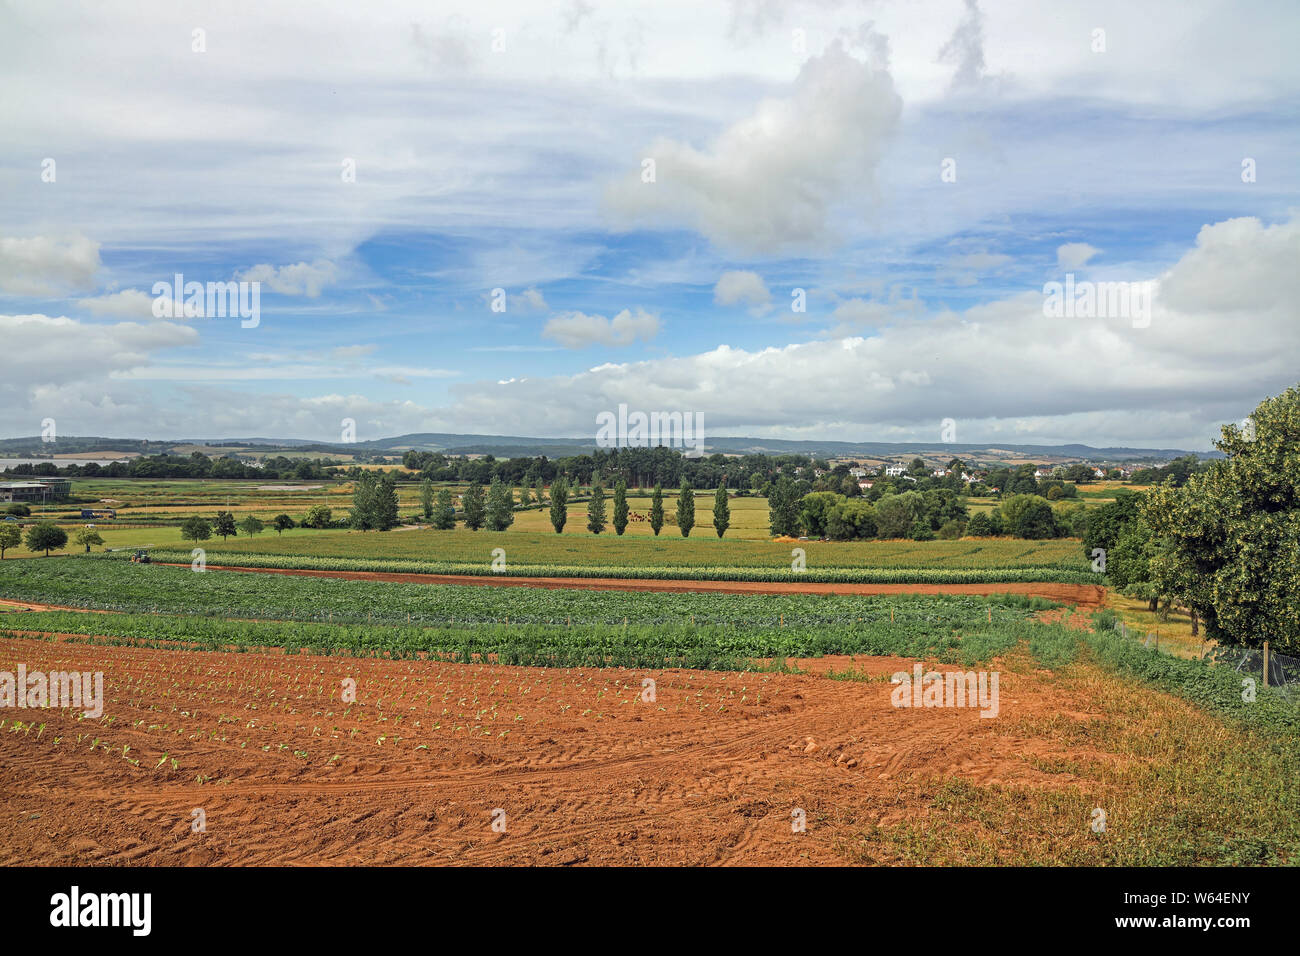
[1089,596]
[585,771]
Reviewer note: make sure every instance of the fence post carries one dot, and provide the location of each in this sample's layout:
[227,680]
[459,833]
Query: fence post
[1266,663]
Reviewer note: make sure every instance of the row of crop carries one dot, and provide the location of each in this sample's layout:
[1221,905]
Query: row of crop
[536,549]
[716,647]
[120,586]
[1050,575]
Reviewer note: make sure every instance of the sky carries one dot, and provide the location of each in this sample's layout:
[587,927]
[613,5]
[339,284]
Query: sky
[507,218]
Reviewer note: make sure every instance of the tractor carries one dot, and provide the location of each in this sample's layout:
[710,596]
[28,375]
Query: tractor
[140,557]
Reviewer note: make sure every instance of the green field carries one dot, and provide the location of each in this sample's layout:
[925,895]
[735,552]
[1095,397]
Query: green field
[149,514]
[103,584]
[164,607]
[525,548]
[540,548]
[946,629]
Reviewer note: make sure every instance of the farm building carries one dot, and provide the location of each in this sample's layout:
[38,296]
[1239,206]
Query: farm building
[48,489]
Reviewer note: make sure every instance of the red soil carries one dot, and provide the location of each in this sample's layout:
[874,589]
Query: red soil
[411,773]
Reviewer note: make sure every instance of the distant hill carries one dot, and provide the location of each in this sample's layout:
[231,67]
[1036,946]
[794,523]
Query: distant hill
[507,446]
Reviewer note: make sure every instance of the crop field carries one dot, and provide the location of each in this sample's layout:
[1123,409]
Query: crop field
[538,550]
[331,705]
[585,767]
[525,548]
[101,584]
[731,633]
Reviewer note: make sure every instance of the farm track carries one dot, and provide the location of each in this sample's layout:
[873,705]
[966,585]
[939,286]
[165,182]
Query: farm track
[1089,596]
[586,772]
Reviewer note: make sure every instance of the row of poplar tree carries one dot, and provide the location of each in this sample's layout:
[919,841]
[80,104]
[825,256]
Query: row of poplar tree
[495,509]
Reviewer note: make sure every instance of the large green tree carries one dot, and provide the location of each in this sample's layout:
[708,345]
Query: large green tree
[620,506]
[475,507]
[1229,544]
[364,513]
[721,511]
[783,508]
[657,510]
[686,509]
[500,506]
[814,511]
[559,504]
[224,525]
[426,499]
[318,516]
[87,537]
[10,536]
[444,510]
[196,528]
[386,504]
[46,536]
[596,510]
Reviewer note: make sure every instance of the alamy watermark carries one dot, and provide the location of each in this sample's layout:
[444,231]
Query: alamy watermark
[36,689]
[1099,300]
[626,429]
[951,689]
[216,300]
[75,908]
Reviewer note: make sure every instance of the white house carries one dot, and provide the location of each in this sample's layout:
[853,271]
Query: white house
[895,471]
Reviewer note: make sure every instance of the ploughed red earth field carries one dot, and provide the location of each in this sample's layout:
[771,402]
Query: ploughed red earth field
[582,767]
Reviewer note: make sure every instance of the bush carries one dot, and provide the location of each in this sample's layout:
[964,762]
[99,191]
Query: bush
[853,519]
[920,531]
[318,516]
[952,528]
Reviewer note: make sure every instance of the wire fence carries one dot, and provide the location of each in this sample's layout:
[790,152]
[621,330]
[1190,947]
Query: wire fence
[1271,668]
[1265,665]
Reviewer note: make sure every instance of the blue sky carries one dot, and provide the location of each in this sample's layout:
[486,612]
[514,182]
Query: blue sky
[797,146]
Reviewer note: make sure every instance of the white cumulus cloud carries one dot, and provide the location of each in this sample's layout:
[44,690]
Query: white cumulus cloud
[1075,255]
[577,330]
[770,182]
[44,265]
[302,278]
[743,288]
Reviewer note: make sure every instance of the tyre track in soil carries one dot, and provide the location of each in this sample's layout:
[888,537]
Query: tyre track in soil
[674,785]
